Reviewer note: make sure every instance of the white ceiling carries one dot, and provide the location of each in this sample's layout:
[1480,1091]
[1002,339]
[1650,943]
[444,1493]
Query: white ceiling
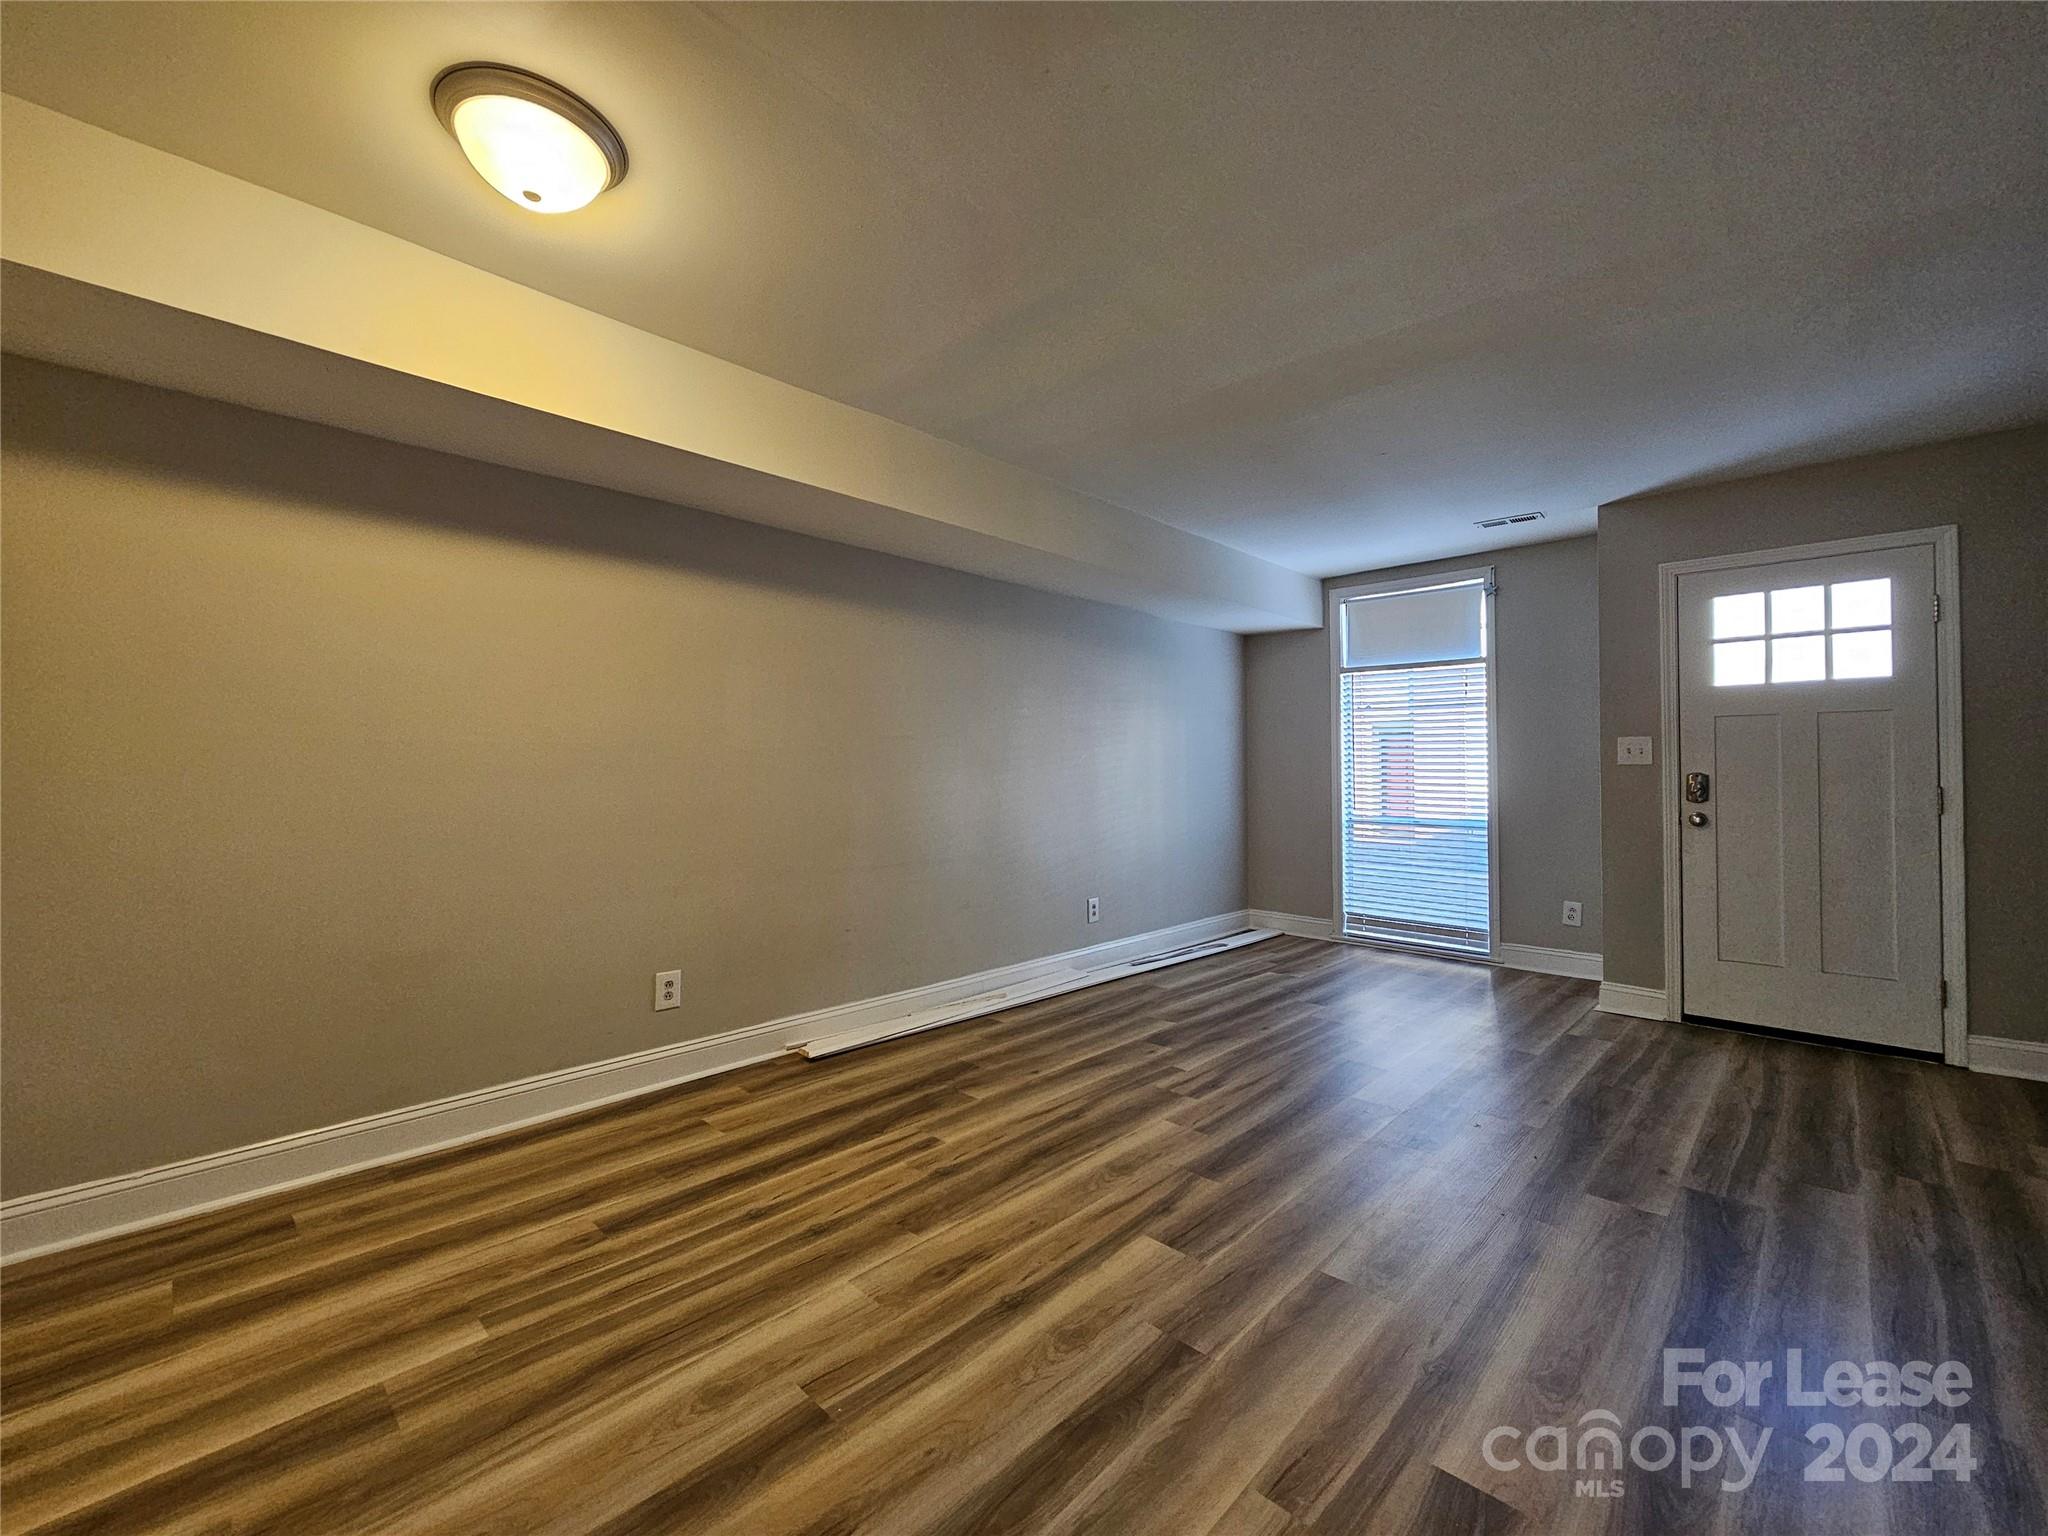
[1328,284]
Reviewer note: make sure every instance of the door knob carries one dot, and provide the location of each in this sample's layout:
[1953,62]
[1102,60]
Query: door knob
[1698,818]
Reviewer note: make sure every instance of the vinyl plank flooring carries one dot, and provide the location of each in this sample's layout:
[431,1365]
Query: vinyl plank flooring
[1261,1245]
[1561,1338]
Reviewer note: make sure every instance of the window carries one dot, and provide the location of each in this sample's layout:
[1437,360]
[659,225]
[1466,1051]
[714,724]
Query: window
[1841,631]
[1414,758]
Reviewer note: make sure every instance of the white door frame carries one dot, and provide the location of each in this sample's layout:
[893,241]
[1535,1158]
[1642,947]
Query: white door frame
[1333,606]
[1948,645]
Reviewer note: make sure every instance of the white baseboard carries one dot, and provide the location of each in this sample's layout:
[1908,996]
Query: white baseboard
[1291,922]
[1633,1002]
[2009,1058]
[1551,962]
[81,1213]
[1516,957]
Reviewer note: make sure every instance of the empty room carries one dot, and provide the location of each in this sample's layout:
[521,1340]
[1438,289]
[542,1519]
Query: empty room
[1063,769]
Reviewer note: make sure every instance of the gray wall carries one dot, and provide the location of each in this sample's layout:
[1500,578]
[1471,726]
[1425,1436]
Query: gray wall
[1995,490]
[342,775]
[1547,720]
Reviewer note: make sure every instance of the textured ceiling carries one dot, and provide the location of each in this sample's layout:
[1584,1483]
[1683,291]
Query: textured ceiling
[1328,284]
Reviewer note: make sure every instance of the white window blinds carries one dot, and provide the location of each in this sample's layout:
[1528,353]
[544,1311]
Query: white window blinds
[1414,758]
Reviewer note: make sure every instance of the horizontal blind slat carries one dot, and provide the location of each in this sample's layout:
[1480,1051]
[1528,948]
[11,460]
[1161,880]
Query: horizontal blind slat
[1415,796]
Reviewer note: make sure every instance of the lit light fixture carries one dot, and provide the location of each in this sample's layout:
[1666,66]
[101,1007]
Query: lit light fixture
[545,148]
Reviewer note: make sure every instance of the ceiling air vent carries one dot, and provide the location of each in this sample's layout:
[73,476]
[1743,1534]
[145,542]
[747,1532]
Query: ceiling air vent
[1509,522]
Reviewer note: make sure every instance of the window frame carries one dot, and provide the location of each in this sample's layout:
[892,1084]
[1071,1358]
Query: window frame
[1334,597]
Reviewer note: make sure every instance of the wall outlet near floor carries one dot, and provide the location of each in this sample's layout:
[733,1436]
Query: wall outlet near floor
[1631,749]
[1572,914]
[668,990]
[1094,909]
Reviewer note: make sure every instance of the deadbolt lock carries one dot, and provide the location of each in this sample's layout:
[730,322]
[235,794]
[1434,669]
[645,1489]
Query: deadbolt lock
[1696,788]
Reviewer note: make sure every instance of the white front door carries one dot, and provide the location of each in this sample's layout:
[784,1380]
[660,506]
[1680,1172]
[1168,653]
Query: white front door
[1810,842]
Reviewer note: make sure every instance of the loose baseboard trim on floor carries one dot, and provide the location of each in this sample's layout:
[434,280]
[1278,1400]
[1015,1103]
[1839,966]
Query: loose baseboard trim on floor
[82,1213]
[1292,922]
[2009,1058]
[1633,1002]
[1048,984]
[1551,962]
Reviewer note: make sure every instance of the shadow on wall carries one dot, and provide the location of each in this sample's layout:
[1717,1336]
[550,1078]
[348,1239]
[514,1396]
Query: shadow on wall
[326,470]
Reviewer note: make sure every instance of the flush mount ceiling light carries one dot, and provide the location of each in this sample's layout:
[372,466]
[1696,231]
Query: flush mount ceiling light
[545,148]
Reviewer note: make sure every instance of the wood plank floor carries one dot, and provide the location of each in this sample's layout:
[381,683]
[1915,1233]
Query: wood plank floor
[1258,1244]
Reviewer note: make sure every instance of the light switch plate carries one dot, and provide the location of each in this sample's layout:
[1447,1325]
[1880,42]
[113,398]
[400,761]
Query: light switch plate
[1632,749]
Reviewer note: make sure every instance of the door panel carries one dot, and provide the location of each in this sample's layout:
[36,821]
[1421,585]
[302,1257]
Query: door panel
[1859,893]
[1750,897]
[1810,875]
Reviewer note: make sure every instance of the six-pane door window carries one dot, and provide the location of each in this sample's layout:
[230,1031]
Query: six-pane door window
[1842,630]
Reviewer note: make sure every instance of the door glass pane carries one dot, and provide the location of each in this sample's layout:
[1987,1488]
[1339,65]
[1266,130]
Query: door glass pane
[1863,653]
[1795,609]
[1862,604]
[1737,615]
[1738,663]
[1801,659]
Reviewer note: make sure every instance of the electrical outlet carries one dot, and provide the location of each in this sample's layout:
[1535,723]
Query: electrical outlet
[1572,914]
[668,990]
[1632,749]
[1094,909]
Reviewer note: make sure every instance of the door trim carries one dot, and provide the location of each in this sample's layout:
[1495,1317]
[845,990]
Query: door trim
[1948,647]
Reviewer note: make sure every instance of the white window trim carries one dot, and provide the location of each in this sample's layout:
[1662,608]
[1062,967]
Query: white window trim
[1333,600]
